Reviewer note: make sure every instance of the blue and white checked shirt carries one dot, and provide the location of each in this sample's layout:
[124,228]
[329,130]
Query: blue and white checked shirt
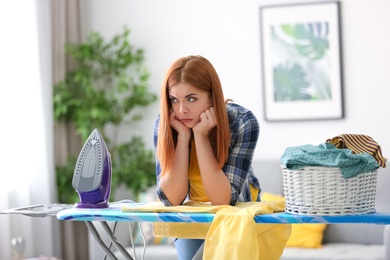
[244,129]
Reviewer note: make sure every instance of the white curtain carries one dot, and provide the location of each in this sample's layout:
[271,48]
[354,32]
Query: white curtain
[26,130]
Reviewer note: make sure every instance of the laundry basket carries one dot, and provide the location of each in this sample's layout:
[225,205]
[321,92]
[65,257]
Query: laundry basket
[324,191]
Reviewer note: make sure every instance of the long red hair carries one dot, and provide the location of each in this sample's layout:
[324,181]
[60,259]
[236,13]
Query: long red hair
[198,72]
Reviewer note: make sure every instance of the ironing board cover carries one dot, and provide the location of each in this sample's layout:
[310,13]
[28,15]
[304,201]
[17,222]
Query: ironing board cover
[114,213]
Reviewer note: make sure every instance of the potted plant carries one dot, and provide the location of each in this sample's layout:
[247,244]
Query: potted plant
[106,90]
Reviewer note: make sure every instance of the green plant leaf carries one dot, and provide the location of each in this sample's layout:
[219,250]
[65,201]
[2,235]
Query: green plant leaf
[64,176]
[290,83]
[107,87]
[311,39]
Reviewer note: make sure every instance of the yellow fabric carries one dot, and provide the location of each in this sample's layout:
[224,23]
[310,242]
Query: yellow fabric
[306,235]
[233,234]
[180,229]
[230,225]
[302,235]
[254,192]
[188,206]
[192,230]
[197,191]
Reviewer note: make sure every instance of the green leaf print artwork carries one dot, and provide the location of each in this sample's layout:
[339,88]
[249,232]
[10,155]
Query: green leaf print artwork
[301,67]
[310,39]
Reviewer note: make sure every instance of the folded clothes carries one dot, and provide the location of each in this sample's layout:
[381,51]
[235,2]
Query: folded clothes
[329,155]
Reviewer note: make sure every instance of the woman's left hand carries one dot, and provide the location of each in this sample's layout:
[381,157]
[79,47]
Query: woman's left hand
[207,122]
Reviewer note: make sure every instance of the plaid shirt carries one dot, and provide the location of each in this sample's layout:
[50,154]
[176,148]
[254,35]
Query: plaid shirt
[244,130]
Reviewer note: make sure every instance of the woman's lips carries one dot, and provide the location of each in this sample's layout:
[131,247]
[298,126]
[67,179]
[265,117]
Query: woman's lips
[186,120]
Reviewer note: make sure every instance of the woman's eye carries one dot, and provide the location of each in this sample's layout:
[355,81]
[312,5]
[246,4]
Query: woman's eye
[173,100]
[191,99]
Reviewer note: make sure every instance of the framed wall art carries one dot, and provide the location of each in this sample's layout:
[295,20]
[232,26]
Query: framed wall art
[301,62]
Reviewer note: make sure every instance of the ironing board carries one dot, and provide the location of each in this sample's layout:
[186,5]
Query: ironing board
[114,213]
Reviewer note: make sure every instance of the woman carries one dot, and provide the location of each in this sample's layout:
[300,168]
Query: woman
[204,144]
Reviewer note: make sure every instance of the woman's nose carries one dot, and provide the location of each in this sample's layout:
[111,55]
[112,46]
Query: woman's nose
[183,109]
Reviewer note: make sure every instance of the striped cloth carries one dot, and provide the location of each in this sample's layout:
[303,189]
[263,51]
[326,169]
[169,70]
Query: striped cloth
[359,143]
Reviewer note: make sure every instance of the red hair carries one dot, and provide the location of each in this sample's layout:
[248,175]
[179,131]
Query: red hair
[198,72]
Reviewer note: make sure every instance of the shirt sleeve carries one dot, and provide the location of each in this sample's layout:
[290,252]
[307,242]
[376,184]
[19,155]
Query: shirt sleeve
[155,138]
[244,136]
[160,193]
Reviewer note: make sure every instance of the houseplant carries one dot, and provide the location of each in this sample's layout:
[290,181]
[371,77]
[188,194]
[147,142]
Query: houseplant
[106,90]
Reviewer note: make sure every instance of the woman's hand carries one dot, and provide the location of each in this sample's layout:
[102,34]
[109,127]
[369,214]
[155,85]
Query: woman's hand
[207,122]
[179,126]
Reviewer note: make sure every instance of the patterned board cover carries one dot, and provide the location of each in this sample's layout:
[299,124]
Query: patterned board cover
[114,213]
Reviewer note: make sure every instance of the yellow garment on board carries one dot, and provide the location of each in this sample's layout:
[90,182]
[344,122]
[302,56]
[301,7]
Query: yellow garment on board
[197,191]
[233,234]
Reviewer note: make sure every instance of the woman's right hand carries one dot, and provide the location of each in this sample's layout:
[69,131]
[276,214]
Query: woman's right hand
[179,126]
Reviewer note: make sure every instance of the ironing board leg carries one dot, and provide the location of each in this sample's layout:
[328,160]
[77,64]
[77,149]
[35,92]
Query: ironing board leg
[99,240]
[115,241]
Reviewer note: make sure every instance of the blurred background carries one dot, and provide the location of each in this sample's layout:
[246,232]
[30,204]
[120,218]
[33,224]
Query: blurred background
[227,32]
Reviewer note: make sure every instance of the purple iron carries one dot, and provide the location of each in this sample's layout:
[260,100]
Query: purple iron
[92,173]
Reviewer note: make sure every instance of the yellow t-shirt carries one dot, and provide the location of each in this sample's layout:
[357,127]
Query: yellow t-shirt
[197,192]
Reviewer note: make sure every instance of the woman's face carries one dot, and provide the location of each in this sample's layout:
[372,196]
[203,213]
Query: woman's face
[188,102]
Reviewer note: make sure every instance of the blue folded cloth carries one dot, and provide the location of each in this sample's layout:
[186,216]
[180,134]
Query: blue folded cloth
[329,155]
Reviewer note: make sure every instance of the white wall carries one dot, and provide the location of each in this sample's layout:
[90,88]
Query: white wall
[227,33]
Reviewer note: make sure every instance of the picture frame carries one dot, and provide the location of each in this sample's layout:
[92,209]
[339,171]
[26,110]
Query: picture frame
[301,61]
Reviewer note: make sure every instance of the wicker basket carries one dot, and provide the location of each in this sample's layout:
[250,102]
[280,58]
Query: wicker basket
[323,191]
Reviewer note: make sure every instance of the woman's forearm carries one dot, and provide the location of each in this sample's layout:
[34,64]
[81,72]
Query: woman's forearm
[174,183]
[215,182]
